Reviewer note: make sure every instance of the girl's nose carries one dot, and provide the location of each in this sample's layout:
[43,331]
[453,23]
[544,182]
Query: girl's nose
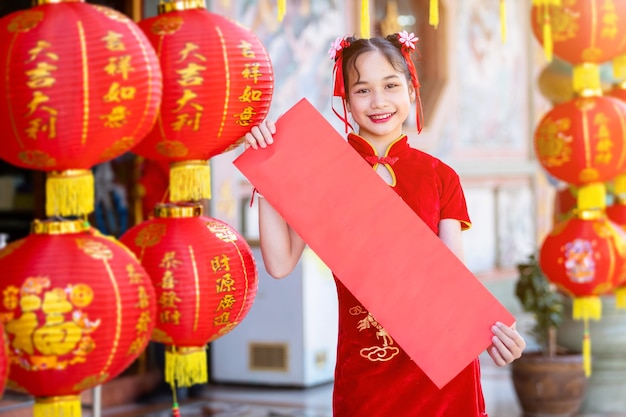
[379,100]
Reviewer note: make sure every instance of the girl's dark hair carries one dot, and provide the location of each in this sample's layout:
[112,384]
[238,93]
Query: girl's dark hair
[390,47]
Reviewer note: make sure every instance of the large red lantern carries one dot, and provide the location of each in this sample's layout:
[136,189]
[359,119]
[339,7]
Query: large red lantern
[205,279]
[579,31]
[81,84]
[78,309]
[217,84]
[583,140]
[585,257]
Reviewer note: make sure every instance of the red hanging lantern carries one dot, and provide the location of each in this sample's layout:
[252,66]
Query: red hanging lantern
[4,360]
[585,257]
[81,85]
[217,84]
[78,309]
[205,279]
[616,212]
[583,140]
[618,91]
[580,31]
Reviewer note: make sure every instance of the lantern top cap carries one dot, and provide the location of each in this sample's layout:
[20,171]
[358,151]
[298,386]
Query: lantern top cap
[40,2]
[59,227]
[178,210]
[178,5]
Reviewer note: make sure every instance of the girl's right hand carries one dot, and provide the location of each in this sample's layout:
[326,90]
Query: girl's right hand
[261,136]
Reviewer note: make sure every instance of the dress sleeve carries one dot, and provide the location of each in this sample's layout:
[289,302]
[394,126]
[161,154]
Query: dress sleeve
[453,205]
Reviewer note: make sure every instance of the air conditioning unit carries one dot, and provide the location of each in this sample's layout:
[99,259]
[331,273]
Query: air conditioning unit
[289,337]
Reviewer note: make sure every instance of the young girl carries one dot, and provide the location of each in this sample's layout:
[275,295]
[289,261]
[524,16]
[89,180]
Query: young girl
[379,84]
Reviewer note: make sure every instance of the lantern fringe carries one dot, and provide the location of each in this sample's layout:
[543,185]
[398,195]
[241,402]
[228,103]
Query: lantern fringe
[620,297]
[186,367]
[66,406]
[365,18]
[282,9]
[433,13]
[70,193]
[586,79]
[585,308]
[619,67]
[591,196]
[190,181]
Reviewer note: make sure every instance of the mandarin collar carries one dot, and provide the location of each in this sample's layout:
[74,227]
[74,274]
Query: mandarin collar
[363,147]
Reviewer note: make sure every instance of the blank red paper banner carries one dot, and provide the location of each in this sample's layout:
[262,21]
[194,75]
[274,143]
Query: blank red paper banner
[424,296]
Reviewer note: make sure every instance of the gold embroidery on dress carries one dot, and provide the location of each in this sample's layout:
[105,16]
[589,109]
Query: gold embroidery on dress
[382,353]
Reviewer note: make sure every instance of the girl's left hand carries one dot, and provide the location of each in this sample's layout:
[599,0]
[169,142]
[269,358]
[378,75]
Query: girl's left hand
[507,344]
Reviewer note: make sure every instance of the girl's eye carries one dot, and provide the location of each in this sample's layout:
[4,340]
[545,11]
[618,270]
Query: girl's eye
[392,85]
[361,91]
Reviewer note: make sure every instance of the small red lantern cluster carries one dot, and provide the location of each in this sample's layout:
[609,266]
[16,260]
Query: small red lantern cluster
[78,309]
[205,279]
[582,142]
[217,84]
[81,85]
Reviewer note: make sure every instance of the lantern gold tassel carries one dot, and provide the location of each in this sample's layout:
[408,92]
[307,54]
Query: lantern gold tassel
[591,196]
[503,20]
[620,298]
[190,180]
[63,406]
[586,79]
[69,193]
[585,308]
[587,350]
[186,366]
[365,18]
[433,13]
[619,67]
[548,46]
[282,9]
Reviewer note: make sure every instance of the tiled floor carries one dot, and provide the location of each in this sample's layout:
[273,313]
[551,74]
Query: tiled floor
[243,401]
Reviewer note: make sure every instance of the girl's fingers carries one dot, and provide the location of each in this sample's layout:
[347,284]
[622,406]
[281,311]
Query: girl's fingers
[260,136]
[495,356]
[507,344]
[266,133]
[271,126]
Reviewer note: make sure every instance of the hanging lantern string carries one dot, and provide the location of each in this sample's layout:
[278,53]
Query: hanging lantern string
[175,408]
[365,18]
[433,15]
[503,20]
[282,9]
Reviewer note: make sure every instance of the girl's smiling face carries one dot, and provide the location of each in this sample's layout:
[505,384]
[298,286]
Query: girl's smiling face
[379,98]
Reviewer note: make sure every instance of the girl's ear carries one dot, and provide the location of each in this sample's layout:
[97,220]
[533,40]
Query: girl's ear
[347,103]
[412,94]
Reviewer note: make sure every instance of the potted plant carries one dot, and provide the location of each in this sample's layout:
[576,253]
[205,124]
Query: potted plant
[548,381]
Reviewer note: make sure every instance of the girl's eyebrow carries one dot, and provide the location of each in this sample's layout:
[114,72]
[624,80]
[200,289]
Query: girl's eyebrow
[387,78]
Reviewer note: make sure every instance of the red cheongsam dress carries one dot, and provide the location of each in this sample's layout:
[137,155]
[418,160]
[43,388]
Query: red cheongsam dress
[374,377]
